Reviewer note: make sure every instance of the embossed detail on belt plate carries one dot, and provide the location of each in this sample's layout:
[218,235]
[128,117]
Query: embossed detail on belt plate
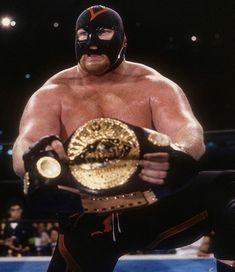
[105,153]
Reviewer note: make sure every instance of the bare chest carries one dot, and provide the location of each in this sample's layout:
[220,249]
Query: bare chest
[126,103]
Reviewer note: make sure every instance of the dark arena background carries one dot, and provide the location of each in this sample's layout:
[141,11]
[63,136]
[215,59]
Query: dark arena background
[190,42]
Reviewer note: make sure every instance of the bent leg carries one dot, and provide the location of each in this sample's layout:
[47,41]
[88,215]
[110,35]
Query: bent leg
[84,246]
[179,219]
[171,222]
[65,262]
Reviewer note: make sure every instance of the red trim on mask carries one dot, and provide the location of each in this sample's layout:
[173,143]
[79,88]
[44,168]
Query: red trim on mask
[95,14]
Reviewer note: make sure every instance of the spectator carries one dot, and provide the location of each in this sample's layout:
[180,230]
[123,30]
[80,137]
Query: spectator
[15,233]
[41,239]
[45,239]
[53,234]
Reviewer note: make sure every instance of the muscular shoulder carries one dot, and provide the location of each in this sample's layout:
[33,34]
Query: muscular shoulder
[155,81]
[56,86]
[164,94]
[64,77]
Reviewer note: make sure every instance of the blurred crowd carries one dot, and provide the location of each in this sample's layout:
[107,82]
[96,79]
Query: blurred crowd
[21,237]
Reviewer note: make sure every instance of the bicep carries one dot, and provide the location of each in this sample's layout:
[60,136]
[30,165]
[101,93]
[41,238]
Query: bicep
[171,111]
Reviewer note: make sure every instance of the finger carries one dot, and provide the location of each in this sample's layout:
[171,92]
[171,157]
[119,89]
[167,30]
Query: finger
[59,149]
[154,173]
[154,165]
[157,156]
[156,181]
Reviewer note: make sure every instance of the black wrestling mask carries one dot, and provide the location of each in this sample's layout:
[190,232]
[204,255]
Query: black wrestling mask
[94,21]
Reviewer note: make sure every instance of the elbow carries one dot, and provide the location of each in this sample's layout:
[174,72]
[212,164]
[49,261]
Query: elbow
[19,171]
[17,162]
[200,152]
[196,147]
[18,168]
[201,148]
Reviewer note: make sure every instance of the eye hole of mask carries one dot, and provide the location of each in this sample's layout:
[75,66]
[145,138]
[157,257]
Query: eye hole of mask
[105,33]
[102,33]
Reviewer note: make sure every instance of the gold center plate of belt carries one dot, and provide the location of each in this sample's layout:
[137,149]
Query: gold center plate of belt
[105,153]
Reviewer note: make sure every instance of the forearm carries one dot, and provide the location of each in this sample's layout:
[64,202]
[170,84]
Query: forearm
[191,139]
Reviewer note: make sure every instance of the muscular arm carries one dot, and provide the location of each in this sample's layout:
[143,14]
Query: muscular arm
[172,115]
[41,117]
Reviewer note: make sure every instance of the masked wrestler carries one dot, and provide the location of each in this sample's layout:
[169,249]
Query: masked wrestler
[104,84]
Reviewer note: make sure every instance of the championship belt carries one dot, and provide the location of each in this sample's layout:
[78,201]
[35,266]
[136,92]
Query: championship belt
[102,173]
